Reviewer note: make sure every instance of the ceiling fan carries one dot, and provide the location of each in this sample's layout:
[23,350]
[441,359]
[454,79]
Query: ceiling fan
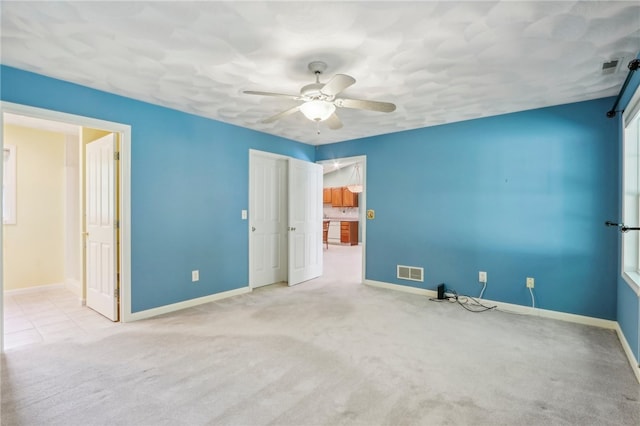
[319,100]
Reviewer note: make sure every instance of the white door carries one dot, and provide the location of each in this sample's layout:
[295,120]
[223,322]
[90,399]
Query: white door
[100,228]
[267,220]
[305,221]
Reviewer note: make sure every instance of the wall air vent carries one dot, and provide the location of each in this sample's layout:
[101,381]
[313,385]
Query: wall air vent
[411,273]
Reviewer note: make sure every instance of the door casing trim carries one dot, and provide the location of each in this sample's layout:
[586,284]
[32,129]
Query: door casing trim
[362,204]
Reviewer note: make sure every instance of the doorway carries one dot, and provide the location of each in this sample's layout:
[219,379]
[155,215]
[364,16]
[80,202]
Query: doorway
[123,133]
[344,173]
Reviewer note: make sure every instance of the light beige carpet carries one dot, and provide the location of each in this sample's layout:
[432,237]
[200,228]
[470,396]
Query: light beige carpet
[327,352]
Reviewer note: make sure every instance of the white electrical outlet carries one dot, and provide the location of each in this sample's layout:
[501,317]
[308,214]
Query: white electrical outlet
[195,276]
[482,276]
[530,282]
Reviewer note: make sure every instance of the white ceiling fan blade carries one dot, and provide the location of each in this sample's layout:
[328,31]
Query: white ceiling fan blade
[333,122]
[279,95]
[337,84]
[368,105]
[282,114]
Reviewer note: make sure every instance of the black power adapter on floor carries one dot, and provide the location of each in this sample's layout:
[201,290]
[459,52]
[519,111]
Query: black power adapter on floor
[441,291]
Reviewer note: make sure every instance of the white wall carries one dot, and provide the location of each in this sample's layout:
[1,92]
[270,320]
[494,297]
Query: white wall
[33,248]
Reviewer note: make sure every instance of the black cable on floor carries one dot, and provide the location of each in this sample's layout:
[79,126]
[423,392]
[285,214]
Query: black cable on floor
[456,298]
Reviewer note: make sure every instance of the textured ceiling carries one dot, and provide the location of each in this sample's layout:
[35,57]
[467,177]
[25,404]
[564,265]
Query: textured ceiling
[439,62]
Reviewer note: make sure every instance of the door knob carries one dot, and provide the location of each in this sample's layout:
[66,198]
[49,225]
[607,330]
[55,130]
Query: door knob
[253,229]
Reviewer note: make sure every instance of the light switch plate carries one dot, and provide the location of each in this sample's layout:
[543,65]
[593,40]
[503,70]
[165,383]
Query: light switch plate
[244,215]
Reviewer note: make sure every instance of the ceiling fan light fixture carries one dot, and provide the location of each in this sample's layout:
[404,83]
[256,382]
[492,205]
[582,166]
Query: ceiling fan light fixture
[317,110]
[355,188]
[319,100]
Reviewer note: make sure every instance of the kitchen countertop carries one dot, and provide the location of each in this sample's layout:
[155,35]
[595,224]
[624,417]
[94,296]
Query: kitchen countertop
[341,219]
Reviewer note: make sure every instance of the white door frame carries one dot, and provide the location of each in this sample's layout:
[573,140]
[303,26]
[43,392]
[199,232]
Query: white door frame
[125,192]
[362,203]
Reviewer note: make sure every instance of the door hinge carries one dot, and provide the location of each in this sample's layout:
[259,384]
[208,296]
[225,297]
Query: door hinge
[116,223]
[116,289]
[116,156]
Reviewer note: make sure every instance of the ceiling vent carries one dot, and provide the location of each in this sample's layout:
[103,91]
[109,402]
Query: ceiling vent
[410,273]
[615,65]
[610,67]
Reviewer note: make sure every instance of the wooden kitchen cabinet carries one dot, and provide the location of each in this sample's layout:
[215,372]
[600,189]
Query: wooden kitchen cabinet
[326,195]
[336,197]
[341,197]
[349,233]
[349,199]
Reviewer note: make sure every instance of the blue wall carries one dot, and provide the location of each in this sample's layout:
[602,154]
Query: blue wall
[517,195]
[629,315]
[189,183]
[628,301]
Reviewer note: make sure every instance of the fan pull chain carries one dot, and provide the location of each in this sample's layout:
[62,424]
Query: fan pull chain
[318,127]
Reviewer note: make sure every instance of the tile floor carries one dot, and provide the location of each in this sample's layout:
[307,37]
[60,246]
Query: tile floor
[49,314]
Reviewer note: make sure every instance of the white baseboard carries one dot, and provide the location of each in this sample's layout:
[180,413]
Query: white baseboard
[544,313]
[74,286]
[526,310]
[509,307]
[627,350]
[33,289]
[186,304]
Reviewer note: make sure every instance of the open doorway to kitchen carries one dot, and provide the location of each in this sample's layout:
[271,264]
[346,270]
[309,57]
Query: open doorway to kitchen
[344,208]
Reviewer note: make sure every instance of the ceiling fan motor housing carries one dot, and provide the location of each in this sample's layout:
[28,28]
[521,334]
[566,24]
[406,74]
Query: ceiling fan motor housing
[317,67]
[313,91]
